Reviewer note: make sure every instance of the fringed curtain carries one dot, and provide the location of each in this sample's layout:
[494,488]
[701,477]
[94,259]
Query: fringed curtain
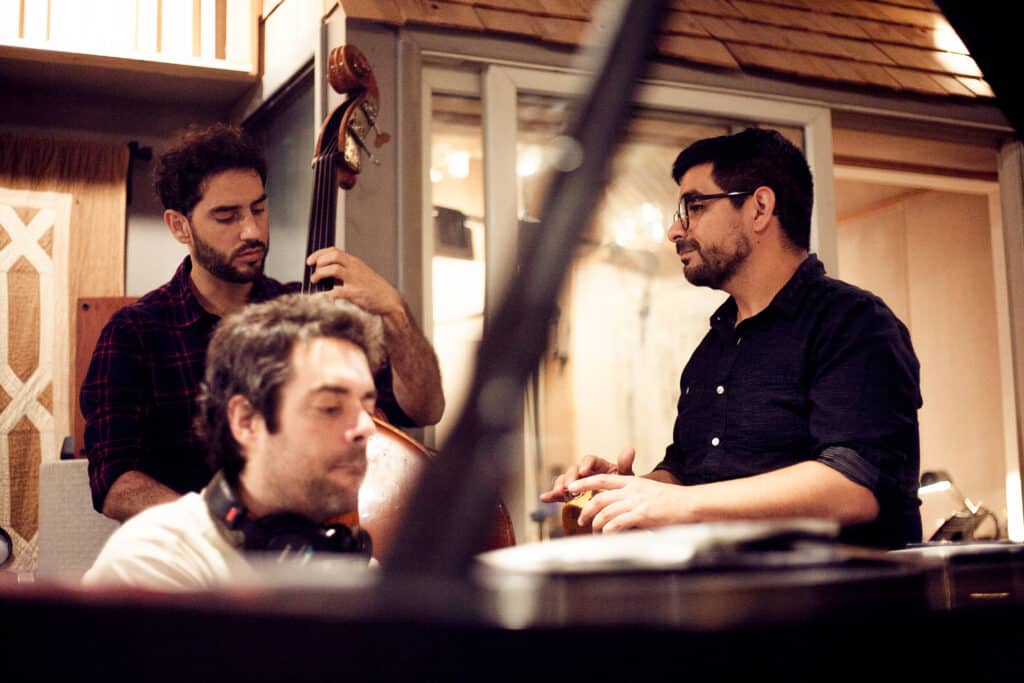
[62,236]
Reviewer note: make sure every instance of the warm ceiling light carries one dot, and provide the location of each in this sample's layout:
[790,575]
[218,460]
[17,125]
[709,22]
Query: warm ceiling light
[625,231]
[458,164]
[528,162]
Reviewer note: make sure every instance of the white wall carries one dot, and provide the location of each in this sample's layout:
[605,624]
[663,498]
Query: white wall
[151,254]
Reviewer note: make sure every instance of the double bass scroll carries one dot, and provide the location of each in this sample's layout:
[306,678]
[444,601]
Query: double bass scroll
[395,461]
[349,72]
[340,146]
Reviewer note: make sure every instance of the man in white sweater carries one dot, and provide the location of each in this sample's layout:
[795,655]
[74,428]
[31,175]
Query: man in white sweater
[285,411]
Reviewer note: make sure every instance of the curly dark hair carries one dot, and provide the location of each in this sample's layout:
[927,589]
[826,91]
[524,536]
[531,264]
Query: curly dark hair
[250,355]
[197,153]
[756,157]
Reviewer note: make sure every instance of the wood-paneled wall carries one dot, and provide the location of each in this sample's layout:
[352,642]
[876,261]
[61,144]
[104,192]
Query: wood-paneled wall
[929,257]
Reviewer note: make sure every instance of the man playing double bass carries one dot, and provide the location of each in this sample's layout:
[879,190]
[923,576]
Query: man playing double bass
[139,396]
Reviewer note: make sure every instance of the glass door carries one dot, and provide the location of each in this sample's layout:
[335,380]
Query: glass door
[627,318]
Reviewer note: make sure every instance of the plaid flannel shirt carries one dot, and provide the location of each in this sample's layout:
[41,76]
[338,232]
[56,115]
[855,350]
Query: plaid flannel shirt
[139,396]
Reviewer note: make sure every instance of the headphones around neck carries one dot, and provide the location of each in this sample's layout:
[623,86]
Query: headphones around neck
[286,534]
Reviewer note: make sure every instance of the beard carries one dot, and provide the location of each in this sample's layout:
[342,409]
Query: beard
[331,502]
[324,499]
[317,495]
[716,266]
[222,265]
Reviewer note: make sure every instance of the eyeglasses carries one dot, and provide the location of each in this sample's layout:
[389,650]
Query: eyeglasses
[693,204]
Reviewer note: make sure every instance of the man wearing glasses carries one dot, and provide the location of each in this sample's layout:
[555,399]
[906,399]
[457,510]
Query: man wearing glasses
[801,400]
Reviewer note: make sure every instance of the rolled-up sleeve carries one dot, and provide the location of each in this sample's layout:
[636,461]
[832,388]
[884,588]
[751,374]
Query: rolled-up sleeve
[864,397]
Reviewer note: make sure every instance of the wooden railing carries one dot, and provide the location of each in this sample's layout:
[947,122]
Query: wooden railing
[222,34]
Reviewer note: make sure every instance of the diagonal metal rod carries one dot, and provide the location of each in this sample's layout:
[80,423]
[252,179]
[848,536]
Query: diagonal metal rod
[454,503]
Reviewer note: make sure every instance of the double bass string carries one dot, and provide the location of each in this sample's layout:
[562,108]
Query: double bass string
[314,218]
[318,213]
[320,219]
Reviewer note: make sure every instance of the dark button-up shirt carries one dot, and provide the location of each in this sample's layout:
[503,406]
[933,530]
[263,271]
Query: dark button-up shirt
[139,396]
[825,373]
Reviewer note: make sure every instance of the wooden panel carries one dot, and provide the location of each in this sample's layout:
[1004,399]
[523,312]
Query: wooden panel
[901,15]
[857,50]
[908,152]
[91,314]
[952,85]
[565,31]
[873,249]
[25,452]
[572,9]
[785,62]
[23,290]
[508,22]
[840,41]
[383,11]
[525,6]
[702,50]
[757,34]
[977,86]
[443,14]
[908,35]
[900,249]
[953,323]
[876,10]
[872,74]
[33,309]
[715,7]
[720,28]
[801,18]
[677,22]
[933,60]
[916,81]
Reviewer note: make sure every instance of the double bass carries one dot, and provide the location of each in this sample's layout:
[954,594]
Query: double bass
[395,461]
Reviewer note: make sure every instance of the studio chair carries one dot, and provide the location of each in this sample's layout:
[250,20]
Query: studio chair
[71,532]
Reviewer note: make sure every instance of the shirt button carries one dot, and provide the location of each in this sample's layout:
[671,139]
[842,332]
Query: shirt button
[719,390]
[715,441]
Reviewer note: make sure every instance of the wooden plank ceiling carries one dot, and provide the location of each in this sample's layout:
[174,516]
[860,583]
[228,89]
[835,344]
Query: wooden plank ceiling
[888,45]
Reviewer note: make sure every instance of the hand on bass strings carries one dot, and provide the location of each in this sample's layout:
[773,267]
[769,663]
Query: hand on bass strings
[587,466]
[416,375]
[355,281]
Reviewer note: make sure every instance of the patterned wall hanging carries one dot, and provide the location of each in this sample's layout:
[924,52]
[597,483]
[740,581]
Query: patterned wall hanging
[34,341]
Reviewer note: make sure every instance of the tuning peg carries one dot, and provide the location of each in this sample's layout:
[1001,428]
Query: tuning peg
[380,138]
[370,111]
[362,145]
